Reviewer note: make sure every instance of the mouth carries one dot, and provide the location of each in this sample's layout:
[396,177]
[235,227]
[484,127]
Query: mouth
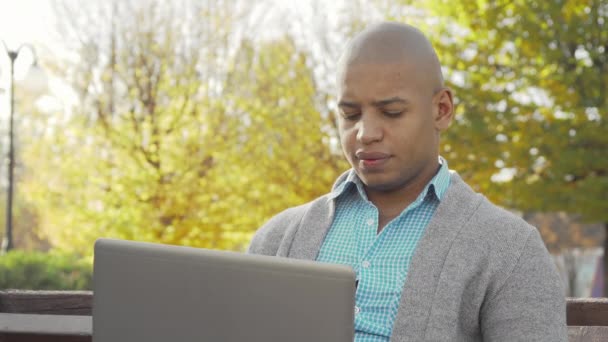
[372,160]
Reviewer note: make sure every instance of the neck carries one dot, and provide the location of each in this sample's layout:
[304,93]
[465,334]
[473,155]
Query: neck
[391,203]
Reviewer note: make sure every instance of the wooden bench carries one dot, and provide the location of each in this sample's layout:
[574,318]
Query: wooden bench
[53,316]
[46,316]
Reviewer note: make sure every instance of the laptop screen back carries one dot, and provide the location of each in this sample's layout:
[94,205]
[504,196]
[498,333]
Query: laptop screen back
[152,292]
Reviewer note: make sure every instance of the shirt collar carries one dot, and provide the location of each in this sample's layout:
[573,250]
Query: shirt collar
[351,180]
[441,181]
[437,186]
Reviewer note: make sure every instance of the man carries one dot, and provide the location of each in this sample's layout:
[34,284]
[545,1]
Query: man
[434,260]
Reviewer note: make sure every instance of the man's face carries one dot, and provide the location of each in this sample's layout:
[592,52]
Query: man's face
[386,124]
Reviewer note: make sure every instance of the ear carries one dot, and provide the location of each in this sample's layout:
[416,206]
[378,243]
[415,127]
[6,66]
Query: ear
[443,104]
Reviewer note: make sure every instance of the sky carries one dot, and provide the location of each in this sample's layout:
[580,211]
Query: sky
[22,22]
[33,22]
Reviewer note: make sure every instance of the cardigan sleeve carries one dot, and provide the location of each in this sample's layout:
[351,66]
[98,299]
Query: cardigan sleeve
[271,235]
[267,239]
[530,305]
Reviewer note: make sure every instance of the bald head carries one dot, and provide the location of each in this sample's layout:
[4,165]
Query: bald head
[394,43]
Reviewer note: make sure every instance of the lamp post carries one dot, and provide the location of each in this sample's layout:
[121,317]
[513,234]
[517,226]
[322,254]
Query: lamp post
[7,242]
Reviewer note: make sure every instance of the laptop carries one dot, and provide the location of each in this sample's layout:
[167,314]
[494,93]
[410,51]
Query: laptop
[153,292]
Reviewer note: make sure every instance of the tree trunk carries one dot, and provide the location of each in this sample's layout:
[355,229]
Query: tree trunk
[605,260]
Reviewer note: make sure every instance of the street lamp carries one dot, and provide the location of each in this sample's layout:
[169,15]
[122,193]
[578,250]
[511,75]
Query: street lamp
[37,77]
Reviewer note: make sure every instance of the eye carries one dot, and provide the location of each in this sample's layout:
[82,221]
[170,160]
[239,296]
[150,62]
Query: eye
[351,116]
[393,114]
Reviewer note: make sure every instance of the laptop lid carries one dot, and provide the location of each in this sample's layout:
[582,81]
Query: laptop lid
[153,292]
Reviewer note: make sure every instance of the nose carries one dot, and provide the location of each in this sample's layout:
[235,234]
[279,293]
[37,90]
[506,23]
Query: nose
[369,129]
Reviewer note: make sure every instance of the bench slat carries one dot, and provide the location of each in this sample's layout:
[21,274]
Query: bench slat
[587,311]
[587,334]
[46,324]
[71,328]
[47,302]
[10,337]
[52,316]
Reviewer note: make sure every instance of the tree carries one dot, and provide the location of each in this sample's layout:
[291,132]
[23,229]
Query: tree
[189,138]
[531,80]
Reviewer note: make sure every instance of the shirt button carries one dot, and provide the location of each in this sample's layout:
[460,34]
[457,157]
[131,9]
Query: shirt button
[370,222]
[357,310]
[366,264]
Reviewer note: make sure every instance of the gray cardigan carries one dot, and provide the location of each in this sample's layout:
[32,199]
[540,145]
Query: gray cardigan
[478,273]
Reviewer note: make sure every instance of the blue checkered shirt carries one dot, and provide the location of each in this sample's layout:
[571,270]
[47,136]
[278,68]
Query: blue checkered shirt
[380,260]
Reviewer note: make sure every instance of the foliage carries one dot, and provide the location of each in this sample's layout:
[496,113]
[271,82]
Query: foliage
[530,79]
[188,130]
[44,271]
[179,138]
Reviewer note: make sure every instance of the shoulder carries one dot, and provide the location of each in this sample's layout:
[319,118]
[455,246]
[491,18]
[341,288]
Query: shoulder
[497,236]
[280,229]
[271,235]
[487,222]
[523,280]
[506,243]
[501,225]
[513,245]
[523,291]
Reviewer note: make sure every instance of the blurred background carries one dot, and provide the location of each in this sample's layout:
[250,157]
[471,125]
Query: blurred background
[193,122]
